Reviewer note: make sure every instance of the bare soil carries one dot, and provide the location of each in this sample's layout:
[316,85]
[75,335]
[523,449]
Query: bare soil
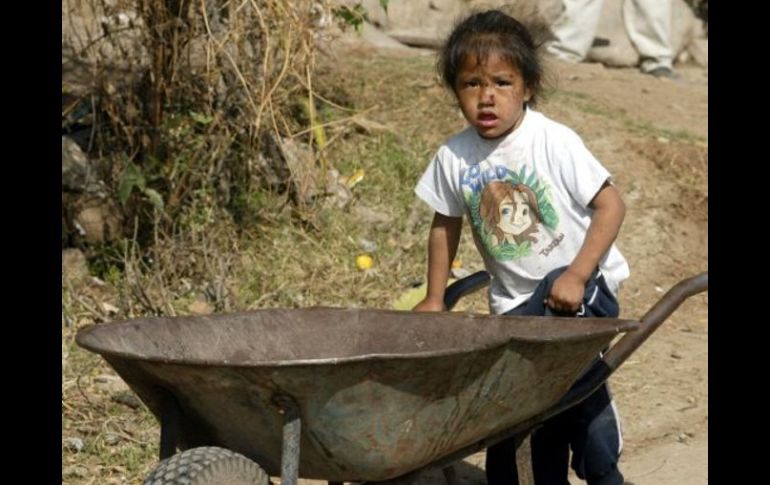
[652,134]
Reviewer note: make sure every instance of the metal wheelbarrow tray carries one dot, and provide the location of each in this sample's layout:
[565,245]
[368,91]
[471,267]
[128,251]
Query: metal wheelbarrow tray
[363,395]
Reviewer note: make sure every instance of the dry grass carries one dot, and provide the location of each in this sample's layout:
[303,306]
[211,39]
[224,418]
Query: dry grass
[282,262]
[384,115]
[184,97]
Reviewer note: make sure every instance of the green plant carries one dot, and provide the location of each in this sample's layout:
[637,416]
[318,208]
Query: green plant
[133,178]
[357,15]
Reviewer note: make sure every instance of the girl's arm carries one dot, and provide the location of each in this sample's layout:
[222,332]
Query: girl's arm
[443,240]
[609,211]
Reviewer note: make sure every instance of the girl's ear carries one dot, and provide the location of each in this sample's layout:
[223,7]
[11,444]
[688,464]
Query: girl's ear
[527,94]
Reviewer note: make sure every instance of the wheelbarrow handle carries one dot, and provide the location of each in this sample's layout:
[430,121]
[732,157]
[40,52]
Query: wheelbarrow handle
[465,286]
[618,353]
[624,347]
[602,368]
[658,314]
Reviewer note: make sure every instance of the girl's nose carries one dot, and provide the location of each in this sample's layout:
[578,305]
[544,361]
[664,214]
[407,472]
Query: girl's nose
[487,95]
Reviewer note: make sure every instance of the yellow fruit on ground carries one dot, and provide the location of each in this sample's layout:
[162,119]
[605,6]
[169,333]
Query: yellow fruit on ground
[364,261]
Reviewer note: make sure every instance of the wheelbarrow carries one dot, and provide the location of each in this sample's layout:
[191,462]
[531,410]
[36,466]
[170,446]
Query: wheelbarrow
[357,395]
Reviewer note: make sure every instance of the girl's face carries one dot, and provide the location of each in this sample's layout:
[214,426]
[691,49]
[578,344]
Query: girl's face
[491,95]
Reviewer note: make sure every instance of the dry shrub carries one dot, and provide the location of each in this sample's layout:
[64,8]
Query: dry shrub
[182,95]
[192,113]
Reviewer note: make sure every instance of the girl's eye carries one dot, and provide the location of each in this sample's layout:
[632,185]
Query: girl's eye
[471,84]
[506,212]
[503,82]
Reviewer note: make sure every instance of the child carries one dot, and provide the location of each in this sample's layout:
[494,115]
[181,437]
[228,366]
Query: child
[544,216]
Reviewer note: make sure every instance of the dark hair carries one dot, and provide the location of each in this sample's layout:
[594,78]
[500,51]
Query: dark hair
[488,32]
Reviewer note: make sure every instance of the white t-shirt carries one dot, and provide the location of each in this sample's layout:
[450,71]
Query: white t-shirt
[526,196]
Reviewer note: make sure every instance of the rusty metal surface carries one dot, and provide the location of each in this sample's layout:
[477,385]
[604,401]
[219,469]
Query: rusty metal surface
[380,393]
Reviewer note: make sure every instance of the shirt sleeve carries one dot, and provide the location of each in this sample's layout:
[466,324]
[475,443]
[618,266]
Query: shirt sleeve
[439,189]
[581,173]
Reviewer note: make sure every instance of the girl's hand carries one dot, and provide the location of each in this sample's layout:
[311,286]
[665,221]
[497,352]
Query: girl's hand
[429,305]
[566,293]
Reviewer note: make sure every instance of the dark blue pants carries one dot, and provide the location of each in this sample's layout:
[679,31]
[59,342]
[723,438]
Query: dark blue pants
[590,428]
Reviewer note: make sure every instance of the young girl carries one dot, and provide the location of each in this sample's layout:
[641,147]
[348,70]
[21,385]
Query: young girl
[544,216]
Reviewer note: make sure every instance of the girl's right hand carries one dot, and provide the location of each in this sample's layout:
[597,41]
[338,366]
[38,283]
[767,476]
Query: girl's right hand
[429,305]
[566,293]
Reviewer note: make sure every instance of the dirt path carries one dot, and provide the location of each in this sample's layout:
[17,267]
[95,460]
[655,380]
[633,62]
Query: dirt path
[662,390]
[652,134]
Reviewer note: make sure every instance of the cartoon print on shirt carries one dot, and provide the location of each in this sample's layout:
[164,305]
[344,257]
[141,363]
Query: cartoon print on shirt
[507,209]
[509,212]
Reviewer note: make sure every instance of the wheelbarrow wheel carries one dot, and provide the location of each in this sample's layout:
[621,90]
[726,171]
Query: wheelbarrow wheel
[207,465]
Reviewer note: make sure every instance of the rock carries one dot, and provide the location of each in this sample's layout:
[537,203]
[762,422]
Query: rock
[75,471]
[112,384]
[111,439]
[426,23]
[74,444]
[371,217]
[366,245]
[119,21]
[379,39]
[620,52]
[337,192]
[368,126]
[414,14]
[200,308]
[97,219]
[699,51]
[301,163]
[286,164]
[127,398]
[74,266]
[110,308]
[75,170]
[459,273]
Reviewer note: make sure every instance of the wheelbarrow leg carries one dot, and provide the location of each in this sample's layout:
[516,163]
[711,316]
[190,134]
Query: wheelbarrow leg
[449,475]
[169,426]
[291,438]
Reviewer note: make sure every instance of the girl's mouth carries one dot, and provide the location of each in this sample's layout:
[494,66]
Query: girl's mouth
[487,119]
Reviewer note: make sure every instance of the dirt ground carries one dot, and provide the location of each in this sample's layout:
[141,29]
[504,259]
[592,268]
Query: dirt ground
[652,134]
[662,390]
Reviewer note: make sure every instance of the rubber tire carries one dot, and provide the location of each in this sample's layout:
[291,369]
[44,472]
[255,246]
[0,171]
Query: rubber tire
[207,465]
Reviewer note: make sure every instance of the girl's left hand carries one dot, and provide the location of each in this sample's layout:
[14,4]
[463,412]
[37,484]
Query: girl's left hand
[566,293]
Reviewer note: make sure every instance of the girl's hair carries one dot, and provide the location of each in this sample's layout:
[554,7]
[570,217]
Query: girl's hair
[484,33]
